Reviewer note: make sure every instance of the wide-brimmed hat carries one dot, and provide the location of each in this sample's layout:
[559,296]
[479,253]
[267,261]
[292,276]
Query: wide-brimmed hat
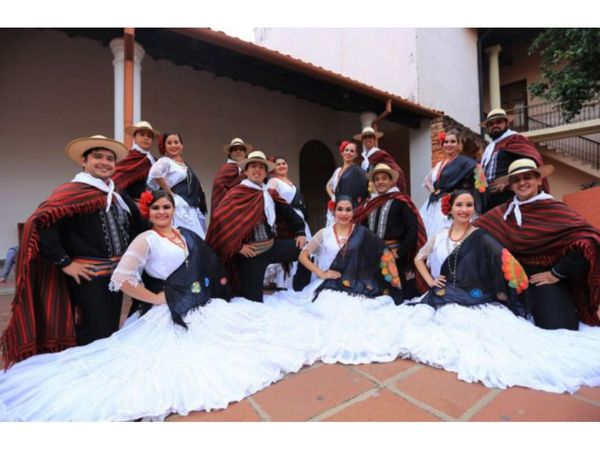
[256,156]
[366,131]
[143,125]
[525,165]
[77,147]
[497,113]
[236,142]
[381,167]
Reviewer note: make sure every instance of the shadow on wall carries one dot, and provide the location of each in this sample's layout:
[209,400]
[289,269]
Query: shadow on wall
[316,167]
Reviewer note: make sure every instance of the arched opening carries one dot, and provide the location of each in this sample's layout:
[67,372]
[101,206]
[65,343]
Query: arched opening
[316,167]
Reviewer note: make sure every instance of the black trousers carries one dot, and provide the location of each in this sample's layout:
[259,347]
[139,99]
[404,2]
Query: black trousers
[100,308]
[552,307]
[252,270]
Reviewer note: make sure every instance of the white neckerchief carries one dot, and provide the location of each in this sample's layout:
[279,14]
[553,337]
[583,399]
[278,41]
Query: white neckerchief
[86,178]
[515,205]
[489,150]
[144,152]
[375,194]
[269,202]
[365,162]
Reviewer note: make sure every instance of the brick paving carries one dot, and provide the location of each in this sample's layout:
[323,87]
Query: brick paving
[401,390]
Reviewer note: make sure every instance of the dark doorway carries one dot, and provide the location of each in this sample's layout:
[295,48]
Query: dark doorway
[316,167]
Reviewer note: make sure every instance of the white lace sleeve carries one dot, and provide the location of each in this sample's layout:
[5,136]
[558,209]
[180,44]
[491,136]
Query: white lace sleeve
[132,264]
[426,250]
[315,242]
[159,169]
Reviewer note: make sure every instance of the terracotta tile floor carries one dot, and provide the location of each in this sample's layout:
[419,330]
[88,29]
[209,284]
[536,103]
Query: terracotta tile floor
[401,390]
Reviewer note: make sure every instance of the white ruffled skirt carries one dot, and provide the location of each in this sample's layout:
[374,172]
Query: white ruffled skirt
[433,219]
[151,368]
[487,343]
[189,217]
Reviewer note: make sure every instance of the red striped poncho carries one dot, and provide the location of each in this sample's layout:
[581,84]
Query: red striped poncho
[42,317]
[227,177]
[550,230]
[232,222]
[363,211]
[133,168]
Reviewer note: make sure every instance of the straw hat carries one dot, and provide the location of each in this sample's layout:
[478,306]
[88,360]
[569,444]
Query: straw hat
[237,142]
[143,125]
[381,167]
[256,156]
[366,131]
[497,113]
[77,147]
[525,165]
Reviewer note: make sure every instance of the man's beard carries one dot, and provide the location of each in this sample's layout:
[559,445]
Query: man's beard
[495,134]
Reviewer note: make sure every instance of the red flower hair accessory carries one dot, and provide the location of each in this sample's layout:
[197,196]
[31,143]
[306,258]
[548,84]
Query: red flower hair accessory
[343,145]
[146,200]
[442,137]
[445,204]
[331,205]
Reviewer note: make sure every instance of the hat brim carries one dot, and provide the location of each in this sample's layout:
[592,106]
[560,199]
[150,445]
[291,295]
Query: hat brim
[131,130]
[544,171]
[249,147]
[392,173]
[77,147]
[244,162]
[509,118]
[359,136]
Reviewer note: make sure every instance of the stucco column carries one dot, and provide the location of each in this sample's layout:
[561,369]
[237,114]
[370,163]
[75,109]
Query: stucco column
[366,119]
[117,47]
[493,53]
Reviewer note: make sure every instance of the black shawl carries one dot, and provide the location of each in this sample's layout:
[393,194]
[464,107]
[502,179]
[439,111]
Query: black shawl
[193,284]
[191,191]
[359,262]
[484,272]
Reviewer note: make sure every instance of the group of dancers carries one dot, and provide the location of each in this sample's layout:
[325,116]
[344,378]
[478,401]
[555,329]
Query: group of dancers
[505,295]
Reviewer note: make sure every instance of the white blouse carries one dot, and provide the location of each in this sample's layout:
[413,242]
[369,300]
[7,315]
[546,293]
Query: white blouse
[324,247]
[151,252]
[168,169]
[335,179]
[437,249]
[286,191]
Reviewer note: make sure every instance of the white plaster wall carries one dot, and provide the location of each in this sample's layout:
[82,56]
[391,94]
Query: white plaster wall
[209,111]
[420,161]
[447,72]
[52,89]
[381,57]
[58,88]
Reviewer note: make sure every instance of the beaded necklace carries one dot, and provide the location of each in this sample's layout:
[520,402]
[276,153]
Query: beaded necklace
[341,240]
[454,251]
[175,239]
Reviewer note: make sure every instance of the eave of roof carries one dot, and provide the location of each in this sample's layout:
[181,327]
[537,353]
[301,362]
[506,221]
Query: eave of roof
[224,55]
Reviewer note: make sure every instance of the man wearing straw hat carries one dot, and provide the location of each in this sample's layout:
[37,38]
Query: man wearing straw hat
[559,249]
[229,174]
[506,147]
[243,230]
[392,216]
[132,172]
[373,155]
[70,245]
